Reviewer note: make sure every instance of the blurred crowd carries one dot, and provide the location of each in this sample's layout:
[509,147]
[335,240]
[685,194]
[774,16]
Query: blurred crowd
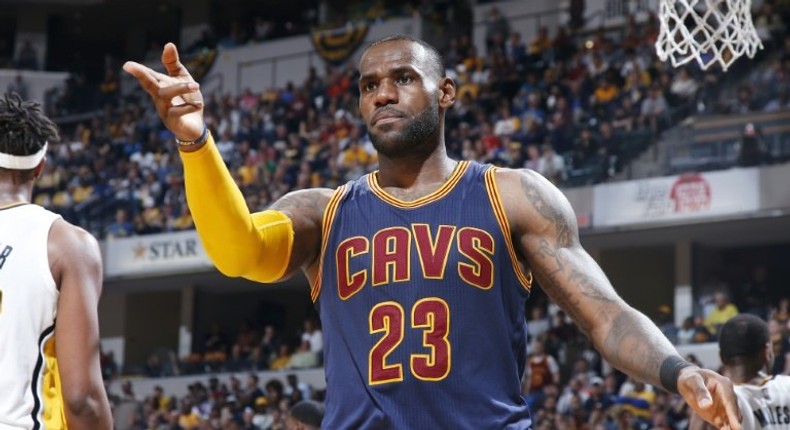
[214,405]
[575,108]
[566,383]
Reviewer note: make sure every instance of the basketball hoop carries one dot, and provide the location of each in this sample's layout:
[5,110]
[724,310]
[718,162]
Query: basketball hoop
[709,31]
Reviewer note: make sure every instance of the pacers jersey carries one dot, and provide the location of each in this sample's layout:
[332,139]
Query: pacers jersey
[422,307]
[29,381]
[765,405]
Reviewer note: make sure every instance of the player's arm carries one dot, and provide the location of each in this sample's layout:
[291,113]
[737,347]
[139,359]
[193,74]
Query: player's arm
[265,246]
[75,261]
[545,231]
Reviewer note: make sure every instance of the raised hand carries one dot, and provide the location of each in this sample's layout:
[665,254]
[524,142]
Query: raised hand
[176,95]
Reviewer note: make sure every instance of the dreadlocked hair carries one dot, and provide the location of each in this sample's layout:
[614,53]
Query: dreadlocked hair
[24,129]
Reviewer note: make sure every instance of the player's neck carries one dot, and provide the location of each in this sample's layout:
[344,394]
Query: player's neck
[414,172]
[11,192]
[743,375]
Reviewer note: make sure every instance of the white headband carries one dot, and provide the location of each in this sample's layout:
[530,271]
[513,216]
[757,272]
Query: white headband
[22,162]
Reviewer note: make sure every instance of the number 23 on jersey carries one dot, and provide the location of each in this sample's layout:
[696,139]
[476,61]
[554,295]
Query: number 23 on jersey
[430,315]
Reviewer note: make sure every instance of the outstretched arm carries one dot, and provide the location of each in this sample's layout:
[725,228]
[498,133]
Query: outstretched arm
[545,231]
[264,246]
[76,266]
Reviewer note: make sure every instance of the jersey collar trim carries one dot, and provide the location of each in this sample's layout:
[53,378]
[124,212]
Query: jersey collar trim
[13,205]
[445,189]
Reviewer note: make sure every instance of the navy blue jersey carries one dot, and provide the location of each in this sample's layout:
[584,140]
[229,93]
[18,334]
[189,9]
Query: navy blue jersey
[422,307]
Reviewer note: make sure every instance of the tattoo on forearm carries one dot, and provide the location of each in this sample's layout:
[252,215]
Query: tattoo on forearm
[631,341]
[550,212]
[591,298]
[558,267]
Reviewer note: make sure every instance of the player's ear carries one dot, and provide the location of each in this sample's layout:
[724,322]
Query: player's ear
[40,168]
[768,356]
[447,92]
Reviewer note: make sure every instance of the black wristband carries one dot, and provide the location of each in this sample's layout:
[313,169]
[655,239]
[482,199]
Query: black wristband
[670,369]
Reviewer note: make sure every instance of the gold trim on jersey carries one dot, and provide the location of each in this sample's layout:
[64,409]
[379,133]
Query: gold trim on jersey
[48,405]
[53,414]
[328,220]
[759,382]
[456,176]
[13,205]
[504,225]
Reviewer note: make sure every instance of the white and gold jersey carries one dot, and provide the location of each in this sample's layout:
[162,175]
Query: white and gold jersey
[30,392]
[765,405]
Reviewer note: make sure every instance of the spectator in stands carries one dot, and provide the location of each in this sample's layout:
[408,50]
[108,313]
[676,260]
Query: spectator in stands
[252,391]
[666,324]
[585,150]
[516,50]
[752,148]
[540,47]
[303,357]
[598,398]
[551,165]
[497,30]
[127,411]
[268,347]
[244,346]
[296,388]
[638,399]
[313,336]
[576,18]
[27,58]
[684,87]
[533,157]
[654,110]
[19,86]
[573,396]
[744,101]
[262,418]
[188,418]
[701,332]
[781,312]
[686,332]
[282,359]
[539,323]
[778,335]
[722,312]
[541,370]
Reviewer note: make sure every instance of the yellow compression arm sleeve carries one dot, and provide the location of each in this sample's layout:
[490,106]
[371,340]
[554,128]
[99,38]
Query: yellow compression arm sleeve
[254,246]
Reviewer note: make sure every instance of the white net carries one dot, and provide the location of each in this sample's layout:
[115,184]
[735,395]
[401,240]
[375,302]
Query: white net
[708,31]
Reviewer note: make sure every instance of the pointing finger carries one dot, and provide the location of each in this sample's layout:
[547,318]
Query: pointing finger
[701,393]
[172,63]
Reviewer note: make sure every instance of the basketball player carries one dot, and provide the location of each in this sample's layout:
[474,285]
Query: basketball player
[50,271]
[420,271]
[305,415]
[747,355]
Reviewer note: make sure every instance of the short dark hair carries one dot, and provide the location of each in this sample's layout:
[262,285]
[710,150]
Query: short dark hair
[308,412]
[743,335]
[24,129]
[436,61]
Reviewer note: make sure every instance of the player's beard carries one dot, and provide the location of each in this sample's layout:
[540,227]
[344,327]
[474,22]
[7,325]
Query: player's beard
[411,137]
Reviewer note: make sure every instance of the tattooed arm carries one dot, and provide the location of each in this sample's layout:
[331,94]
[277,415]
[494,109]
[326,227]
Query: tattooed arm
[305,208]
[544,228]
